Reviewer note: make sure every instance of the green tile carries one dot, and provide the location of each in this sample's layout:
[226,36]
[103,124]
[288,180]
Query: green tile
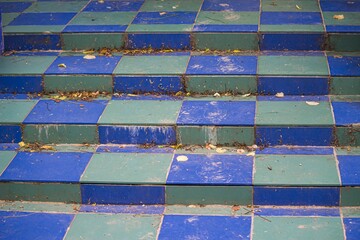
[348,150]
[227,17]
[105,226]
[45,192]
[5,159]
[345,98]
[217,210]
[344,42]
[6,18]
[103,18]
[298,113]
[226,41]
[350,196]
[39,207]
[291,28]
[215,135]
[15,111]
[309,228]
[141,112]
[60,134]
[350,18]
[45,7]
[168,28]
[33,29]
[228,195]
[289,6]
[293,65]
[138,65]
[75,148]
[351,211]
[348,136]
[221,84]
[130,168]
[345,85]
[15,65]
[171,5]
[221,98]
[296,170]
[73,83]
[74,41]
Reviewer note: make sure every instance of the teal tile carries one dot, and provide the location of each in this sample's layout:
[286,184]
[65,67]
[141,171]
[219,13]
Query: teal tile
[296,170]
[29,65]
[226,41]
[15,111]
[350,18]
[290,6]
[207,195]
[345,85]
[21,206]
[44,192]
[171,5]
[293,65]
[275,113]
[41,7]
[113,226]
[161,65]
[348,150]
[167,28]
[138,112]
[310,228]
[351,211]
[5,159]
[74,83]
[227,17]
[217,210]
[103,18]
[74,41]
[6,18]
[348,136]
[292,28]
[129,168]
[344,42]
[350,196]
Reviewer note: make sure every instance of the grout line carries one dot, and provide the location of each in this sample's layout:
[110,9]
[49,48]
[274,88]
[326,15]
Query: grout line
[342,221]
[69,227]
[160,225]
[337,169]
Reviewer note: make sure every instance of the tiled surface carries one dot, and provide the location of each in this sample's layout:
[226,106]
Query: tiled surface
[169,24]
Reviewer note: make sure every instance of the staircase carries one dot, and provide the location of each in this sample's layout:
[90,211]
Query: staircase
[169,119]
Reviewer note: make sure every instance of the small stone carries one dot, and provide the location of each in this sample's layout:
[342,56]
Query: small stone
[279,95]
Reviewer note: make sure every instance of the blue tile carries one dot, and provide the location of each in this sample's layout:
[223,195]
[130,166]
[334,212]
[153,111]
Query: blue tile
[284,18]
[66,112]
[114,6]
[303,212]
[147,97]
[120,194]
[293,85]
[159,41]
[95,28]
[222,65]
[344,66]
[137,135]
[352,228]
[295,196]
[291,53]
[101,65]
[165,18]
[346,113]
[18,96]
[340,6]
[35,53]
[10,134]
[212,169]
[31,225]
[225,28]
[290,41]
[1,36]
[42,19]
[129,209]
[296,150]
[146,84]
[12,7]
[310,136]
[9,146]
[23,42]
[342,29]
[46,167]
[349,170]
[293,98]
[21,84]
[134,149]
[231,5]
[217,113]
[205,227]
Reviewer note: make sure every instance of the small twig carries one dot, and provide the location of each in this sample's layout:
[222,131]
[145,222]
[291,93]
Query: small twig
[252,211]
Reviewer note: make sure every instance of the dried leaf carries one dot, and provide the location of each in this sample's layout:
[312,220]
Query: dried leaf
[101,1]
[62,98]
[132,95]
[188,94]
[240,151]
[89,57]
[62,65]
[217,95]
[298,7]
[211,146]
[88,52]
[47,147]
[236,51]
[22,144]
[246,95]
[162,13]
[221,150]
[250,154]
[192,206]
[312,103]
[235,208]
[182,158]
[279,95]
[339,17]
[179,93]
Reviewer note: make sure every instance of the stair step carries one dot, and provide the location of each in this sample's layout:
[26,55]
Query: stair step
[262,120]
[23,220]
[122,174]
[293,73]
[250,25]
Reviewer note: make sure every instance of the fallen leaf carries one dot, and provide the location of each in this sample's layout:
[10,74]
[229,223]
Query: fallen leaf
[192,206]
[62,98]
[339,17]
[279,95]
[162,13]
[235,208]
[217,95]
[101,1]
[188,94]
[211,146]
[89,57]
[312,103]
[47,147]
[88,52]
[254,146]
[236,51]
[132,95]
[240,151]
[298,7]
[22,144]
[62,65]
[246,95]
[220,150]
[250,154]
